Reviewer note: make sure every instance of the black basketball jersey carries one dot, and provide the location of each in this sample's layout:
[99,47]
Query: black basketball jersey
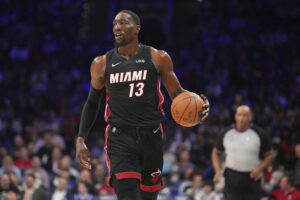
[133,96]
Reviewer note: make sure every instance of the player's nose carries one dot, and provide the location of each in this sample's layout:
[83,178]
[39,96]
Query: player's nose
[117,27]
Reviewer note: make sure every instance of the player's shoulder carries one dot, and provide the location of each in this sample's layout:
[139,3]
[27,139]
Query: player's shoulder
[158,53]
[98,65]
[161,60]
[99,60]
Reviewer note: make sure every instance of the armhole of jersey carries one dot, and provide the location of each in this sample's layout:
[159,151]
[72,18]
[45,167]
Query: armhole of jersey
[108,56]
[221,136]
[148,52]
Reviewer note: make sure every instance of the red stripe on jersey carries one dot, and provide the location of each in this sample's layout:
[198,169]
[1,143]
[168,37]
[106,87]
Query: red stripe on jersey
[105,148]
[147,188]
[161,97]
[124,175]
[107,110]
[161,129]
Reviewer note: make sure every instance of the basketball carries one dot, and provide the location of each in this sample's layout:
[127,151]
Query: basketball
[186,108]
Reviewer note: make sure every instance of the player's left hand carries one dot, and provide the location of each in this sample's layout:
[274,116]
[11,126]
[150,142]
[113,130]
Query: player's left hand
[206,107]
[255,174]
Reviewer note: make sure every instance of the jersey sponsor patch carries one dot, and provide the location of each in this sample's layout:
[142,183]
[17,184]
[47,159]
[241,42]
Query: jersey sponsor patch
[140,61]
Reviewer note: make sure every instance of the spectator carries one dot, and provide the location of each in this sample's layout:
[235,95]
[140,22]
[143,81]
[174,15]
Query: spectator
[24,162]
[184,162]
[46,148]
[207,193]
[15,181]
[98,176]
[195,187]
[54,162]
[86,177]
[71,180]
[61,191]
[65,163]
[31,190]
[83,192]
[286,190]
[36,167]
[8,166]
[6,185]
[105,189]
[57,139]
[18,144]
[274,182]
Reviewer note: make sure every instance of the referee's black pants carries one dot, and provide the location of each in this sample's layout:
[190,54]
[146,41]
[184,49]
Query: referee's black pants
[239,186]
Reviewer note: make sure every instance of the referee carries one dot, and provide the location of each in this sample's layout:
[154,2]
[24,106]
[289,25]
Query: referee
[248,152]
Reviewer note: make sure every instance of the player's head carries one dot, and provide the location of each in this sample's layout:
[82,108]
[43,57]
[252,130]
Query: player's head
[243,116]
[126,27]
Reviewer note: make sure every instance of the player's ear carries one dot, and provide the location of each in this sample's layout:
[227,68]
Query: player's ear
[137,28]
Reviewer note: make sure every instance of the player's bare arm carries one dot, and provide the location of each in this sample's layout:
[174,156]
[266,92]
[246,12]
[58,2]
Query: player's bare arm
[164,65]
[89,114]
[98,71]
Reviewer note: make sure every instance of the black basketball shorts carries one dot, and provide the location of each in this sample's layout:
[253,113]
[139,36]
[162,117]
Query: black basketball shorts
[135,152]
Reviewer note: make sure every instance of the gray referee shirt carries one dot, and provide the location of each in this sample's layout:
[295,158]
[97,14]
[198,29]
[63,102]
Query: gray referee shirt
[244,149]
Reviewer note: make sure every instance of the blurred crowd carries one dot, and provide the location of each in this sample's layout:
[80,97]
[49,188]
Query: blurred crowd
[234,52]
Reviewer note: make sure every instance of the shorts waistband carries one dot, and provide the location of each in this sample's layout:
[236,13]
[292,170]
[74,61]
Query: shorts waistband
[235,171]
[129,127]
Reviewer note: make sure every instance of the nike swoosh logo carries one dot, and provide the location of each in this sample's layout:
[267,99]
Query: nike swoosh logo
[155,131]
[113,65]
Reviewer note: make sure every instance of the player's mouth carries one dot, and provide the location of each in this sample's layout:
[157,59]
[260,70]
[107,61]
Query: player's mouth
[118,36]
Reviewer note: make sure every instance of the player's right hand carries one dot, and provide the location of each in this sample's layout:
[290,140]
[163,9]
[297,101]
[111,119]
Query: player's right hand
[206,107]
[217,177]
[82,154]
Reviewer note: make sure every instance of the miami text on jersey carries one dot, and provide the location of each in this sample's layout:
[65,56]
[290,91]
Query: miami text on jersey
[130,76]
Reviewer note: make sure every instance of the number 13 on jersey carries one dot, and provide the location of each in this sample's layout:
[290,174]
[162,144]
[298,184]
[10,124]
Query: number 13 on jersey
[140,89]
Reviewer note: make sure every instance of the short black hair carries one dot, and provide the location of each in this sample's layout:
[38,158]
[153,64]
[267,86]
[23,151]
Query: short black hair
[134,16]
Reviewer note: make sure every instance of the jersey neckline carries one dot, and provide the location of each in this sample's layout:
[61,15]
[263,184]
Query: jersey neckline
[234,127]
[140,50]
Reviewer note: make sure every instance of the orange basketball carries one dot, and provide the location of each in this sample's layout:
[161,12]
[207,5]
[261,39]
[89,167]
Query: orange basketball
[186,108]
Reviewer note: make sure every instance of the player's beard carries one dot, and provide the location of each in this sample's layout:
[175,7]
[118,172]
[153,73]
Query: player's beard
[122,43]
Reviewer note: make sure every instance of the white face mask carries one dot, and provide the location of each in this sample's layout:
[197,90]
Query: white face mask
[38,182]
[174,178]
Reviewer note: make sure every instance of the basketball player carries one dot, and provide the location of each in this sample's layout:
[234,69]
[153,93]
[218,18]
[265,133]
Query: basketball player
[248,152]
[131,74]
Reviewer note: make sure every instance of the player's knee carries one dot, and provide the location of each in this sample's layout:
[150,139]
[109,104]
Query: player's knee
[127,189]
[149,195]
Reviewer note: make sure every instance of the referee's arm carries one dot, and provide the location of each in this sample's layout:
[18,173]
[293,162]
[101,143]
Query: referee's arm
[215,157]
[268,158]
